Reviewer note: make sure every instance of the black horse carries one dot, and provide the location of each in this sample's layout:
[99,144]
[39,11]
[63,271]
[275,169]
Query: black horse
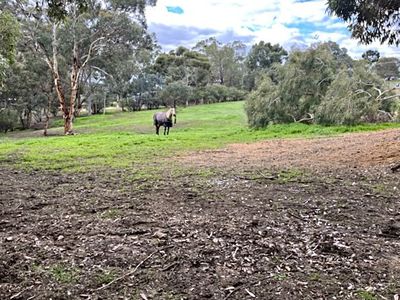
[164,119]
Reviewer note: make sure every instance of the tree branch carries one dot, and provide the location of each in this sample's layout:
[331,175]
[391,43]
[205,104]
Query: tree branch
[92,47]
[360,91]
[102,71]
[46,55]
[390,97]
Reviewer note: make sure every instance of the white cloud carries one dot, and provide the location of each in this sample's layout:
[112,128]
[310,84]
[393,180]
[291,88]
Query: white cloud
[277,34]
[286,22]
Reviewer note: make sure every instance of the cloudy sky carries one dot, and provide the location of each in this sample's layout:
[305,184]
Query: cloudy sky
[291,23]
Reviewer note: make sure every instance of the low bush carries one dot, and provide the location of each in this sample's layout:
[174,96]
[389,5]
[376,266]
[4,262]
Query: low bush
[8,120]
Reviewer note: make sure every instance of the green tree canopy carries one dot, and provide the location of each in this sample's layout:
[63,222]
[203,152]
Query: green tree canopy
[355,96]
[317,85]
[370,19]
[182,64]
[226,60]
[175,93]
[9,32]
[263,55]
[388,67]
[59,10]
[371,55]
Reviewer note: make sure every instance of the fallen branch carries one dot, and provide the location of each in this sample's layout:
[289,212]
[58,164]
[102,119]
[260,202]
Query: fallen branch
[309,119]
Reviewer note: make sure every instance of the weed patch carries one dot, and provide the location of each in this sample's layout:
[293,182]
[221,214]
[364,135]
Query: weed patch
[365,295]
[63,274]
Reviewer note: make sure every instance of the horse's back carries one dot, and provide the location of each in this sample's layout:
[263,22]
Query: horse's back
[160,118]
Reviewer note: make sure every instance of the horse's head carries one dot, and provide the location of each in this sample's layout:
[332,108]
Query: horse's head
[171,113]
[174,114]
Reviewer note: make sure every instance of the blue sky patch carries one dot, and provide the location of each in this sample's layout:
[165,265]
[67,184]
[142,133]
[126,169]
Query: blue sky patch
[175,10]
[307,28]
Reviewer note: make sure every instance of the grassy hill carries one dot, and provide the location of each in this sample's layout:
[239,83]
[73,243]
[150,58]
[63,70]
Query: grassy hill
[128,139]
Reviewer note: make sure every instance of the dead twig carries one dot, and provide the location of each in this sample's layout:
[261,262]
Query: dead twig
[269,177]
[19,294]
[295,216]
[231,291]
[168,267]
[128,273]
[250,293]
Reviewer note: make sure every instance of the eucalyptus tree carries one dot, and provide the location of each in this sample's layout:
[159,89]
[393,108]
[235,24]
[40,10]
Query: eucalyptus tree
[263,55]
[182,64]
[123,59]
[388,67]
[370,20]
[174,93]
[235,64]
[9,33]
[226,61]
[260,60]
[80,30]
[301,85]
[318,85]
[130,77]
[29,89]
[371,56]
[356,97]
[340,55]
[146,83]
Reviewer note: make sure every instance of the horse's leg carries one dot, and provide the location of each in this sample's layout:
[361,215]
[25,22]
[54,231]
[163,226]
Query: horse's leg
[168,131]
[165,129]
[157,129]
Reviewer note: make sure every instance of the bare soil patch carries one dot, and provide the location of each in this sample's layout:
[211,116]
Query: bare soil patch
[282,219]
[356,150]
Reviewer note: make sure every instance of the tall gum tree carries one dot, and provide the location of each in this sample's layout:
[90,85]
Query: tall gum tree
[70,18]
[9,34]
[225,59]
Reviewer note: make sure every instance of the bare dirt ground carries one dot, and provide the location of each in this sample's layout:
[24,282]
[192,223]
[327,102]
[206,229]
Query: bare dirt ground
[281,219]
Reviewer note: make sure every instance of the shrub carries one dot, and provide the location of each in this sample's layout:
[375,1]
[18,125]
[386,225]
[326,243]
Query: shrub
[175,93]
[8,120]
[220,93]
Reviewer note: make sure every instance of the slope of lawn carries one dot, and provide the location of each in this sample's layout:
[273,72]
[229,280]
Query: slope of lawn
[128,139]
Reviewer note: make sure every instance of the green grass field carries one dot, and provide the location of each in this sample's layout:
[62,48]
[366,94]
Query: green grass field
[127,139]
